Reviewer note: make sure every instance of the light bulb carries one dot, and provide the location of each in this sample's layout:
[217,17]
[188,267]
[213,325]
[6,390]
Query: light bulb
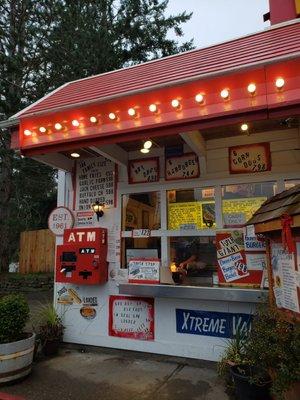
[131,112]
[143,150]
[224,94]
[153,108]
[75,155]
[244,127]
[42,129]
[75,123]
[175,103]
[93,120]
[112,116]
[27,132]
[58,126]
[148,144]
[251,88]
[279,83]
[199,98]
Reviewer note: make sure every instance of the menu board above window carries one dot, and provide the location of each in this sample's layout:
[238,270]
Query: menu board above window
[143,170]
[95,181]
[249,158]
[182,167]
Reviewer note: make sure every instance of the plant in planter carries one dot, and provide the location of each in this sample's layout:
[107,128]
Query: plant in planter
[49,328]
[16,346]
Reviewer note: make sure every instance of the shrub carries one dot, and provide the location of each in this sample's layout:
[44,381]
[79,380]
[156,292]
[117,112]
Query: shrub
[14,313]
[49,324]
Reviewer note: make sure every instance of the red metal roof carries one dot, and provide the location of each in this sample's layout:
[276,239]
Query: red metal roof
[259,48]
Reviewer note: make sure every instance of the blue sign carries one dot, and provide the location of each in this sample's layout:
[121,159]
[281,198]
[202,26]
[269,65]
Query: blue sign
[209,323]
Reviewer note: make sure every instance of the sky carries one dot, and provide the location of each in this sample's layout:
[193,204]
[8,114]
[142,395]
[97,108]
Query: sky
[216,21]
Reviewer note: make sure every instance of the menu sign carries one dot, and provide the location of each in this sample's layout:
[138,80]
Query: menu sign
[191,215]
[236,212]
[143,270]
[143,170]
[95,181]
[249,158]
[182,167]
[286,285]
[131,317]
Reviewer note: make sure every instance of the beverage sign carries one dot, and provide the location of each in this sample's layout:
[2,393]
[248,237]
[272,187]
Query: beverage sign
[84,218]
[131,317]
[208,323]
[249,158]
[182,167]
[95,181]
[143,170]
[143,270]
[60,218]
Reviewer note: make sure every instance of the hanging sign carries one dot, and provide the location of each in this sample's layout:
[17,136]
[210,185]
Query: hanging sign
[143,270]
[60,218]
[95,181]
[131,317]
[143,170]
[182,167]
[249,158]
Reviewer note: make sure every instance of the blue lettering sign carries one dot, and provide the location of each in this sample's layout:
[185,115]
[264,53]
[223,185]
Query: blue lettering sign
[208,323]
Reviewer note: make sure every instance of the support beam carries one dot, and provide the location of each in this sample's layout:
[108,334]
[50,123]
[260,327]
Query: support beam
[196,142]
[56,160]
[112,152]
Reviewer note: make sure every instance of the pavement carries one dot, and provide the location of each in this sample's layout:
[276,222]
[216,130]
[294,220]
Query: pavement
[107,374]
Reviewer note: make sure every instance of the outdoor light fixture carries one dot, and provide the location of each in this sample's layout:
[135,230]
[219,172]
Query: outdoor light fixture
[279,83]
[27,132]
[175,103]
[244,127]
[93,120]
[148,144]
[251,88]
[144,150]
[42,129]
[199,98]
[75,155]
[224,94]
[98,209]
[131,112]
[75,123]
[58,126]
[153,108]
[112,116]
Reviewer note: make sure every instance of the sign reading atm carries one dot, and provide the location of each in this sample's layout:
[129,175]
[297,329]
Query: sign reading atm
[207,323]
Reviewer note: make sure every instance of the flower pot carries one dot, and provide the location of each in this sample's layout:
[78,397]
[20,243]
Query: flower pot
[245,390]
[16,359]
[51,347]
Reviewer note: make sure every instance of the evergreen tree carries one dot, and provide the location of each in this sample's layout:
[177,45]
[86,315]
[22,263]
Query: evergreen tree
[44,44]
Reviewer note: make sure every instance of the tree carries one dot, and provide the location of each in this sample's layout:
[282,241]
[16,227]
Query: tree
[44,44]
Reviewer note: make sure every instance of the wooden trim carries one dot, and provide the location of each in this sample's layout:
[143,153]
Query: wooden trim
[275,225]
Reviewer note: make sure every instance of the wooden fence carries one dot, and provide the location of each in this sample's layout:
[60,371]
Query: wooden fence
[37,251]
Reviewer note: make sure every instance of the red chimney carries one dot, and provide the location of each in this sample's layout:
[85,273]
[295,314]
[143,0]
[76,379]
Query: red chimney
[282,10]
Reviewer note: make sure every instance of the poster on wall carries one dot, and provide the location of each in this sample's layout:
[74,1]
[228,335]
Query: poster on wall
[143,270]
[143,170]
[84,218]
[191,215]
[249,158]
[95,181]
[285,278]
[131,317]
[236,212]
[60,218]
[182,167]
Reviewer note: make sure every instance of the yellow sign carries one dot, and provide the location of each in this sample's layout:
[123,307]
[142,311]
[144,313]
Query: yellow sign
[191,215]
[238,211]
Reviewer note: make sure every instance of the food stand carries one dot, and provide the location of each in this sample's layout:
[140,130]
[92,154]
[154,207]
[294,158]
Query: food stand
[160,166]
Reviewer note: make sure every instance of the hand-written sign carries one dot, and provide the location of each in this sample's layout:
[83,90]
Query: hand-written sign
[131,317]
[143,170]
[236,212]
[182,167]
[95,180]
[143,270]
[207,323]
[191,215]
[60,218]
[249,158]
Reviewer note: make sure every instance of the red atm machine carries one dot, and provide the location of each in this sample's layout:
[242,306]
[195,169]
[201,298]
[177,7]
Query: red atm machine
[82,257]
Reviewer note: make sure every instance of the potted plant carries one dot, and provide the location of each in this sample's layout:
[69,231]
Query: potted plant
[16,346]
[49,328]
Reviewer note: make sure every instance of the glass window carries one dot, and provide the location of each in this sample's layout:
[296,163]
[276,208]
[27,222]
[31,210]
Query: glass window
[141,211]
[191,209]
[195,258]
[140,248]
[291,183]
[239,202]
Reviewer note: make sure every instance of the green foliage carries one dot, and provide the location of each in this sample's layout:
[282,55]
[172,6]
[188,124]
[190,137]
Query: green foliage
[48,324]
[14,313]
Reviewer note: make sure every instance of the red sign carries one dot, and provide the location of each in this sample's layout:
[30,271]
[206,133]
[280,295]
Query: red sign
[60,218]
[249,158]
[131,317]
[143,170]
[182,167]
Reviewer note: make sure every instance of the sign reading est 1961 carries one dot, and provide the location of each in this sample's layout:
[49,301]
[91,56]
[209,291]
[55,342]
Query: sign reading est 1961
[249,158]
[60,218]
[182,167]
